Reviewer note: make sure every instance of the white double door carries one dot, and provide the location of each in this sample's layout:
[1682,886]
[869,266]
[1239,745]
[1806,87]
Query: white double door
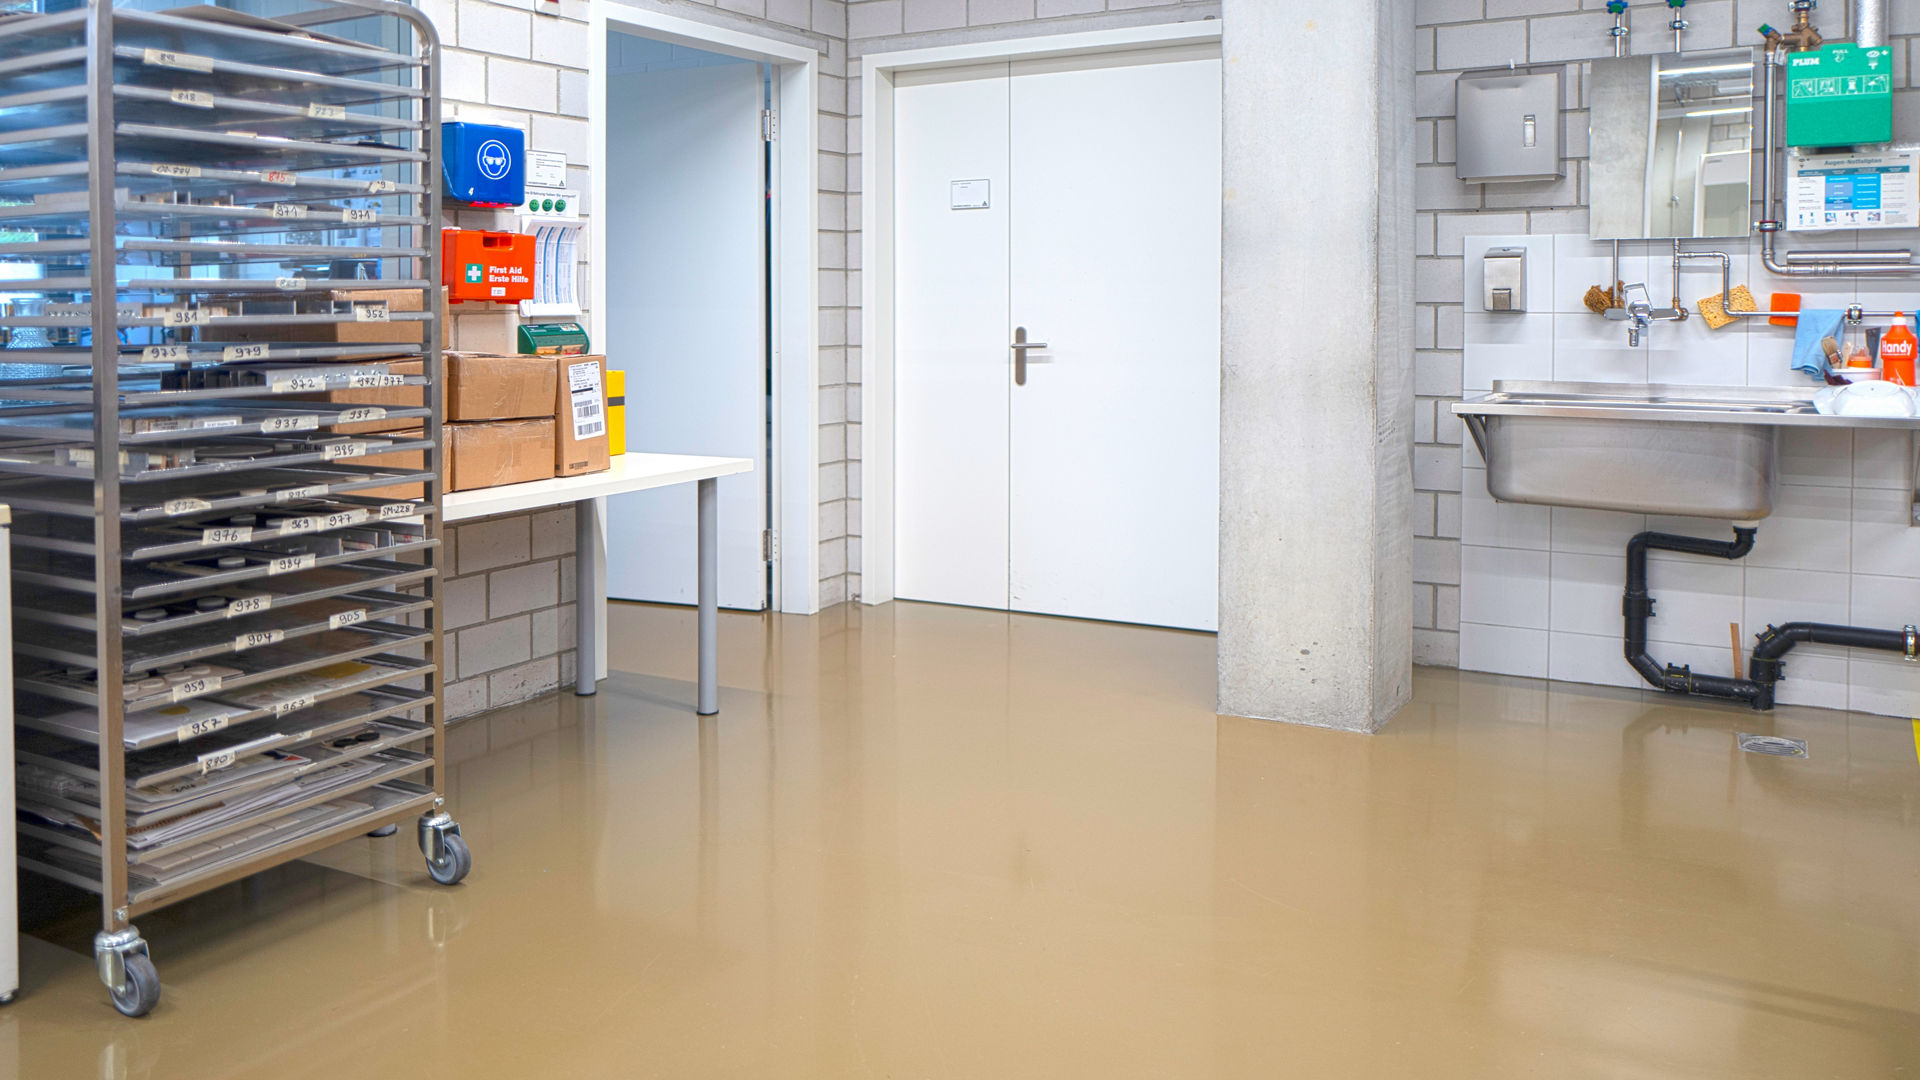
[1073,203]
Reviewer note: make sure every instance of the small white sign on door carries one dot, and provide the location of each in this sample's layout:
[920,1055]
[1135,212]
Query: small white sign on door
[970,195]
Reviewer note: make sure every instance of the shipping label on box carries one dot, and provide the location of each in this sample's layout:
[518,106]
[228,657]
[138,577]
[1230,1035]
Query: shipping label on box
[580,416]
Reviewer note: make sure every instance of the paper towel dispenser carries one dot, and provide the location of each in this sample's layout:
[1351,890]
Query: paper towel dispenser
[1507,126]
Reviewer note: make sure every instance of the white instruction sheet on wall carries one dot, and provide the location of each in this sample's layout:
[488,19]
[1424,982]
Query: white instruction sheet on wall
[589,406]
[1878,190]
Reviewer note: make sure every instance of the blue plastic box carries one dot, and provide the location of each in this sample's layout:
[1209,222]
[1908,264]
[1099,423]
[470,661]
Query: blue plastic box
[485,164]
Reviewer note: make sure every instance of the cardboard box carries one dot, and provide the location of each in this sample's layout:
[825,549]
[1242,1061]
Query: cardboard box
[579,414]
[485,387]
[405,460]
[498,452]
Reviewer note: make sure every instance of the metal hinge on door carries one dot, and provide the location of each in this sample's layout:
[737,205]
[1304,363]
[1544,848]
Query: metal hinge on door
[769,545]
[769,125]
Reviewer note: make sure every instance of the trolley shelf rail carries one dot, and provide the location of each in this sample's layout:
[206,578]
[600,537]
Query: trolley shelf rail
[226,544]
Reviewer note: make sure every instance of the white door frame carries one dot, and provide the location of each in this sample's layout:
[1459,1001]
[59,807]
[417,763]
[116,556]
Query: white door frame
[876,249]
[793,470]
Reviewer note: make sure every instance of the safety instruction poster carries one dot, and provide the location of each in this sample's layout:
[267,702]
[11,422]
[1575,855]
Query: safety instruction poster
[1854,191]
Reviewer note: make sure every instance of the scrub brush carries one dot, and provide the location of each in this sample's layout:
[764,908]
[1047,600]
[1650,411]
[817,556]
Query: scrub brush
[1717,317]
[1598,300]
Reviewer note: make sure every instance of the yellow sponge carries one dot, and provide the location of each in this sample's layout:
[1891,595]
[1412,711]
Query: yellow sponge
[1717,317]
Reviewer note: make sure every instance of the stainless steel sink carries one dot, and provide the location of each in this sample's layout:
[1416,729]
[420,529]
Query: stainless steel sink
[1701,451]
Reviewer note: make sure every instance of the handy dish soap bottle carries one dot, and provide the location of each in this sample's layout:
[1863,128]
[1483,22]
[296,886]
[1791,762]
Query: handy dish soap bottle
[1897,349]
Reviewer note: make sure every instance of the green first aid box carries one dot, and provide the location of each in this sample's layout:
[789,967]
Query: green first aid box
[1840,95]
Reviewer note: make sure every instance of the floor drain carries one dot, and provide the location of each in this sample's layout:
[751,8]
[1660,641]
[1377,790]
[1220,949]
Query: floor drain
[1773,744]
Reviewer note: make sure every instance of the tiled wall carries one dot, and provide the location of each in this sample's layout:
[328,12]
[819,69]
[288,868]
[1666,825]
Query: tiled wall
[1540,586]
[523,63]
[1455,35]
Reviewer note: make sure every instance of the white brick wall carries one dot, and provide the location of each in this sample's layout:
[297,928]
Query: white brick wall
[1456,34]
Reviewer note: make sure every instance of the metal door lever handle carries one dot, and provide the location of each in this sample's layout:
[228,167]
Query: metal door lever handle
[1028,345]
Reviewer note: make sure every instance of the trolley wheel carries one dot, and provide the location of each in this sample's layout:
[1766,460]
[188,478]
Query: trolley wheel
[384,831]
[454,861]
[142,991]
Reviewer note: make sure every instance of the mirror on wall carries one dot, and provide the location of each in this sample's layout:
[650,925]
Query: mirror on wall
[1672,145]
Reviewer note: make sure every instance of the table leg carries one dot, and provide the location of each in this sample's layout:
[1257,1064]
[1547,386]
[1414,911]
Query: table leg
[709,628]
[586,567]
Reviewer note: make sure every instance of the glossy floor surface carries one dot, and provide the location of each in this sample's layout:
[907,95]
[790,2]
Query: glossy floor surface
[932,842]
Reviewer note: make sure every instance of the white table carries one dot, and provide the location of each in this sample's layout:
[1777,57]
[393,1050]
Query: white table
[630,472]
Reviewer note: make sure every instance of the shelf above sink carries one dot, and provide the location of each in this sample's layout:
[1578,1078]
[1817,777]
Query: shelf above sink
[1698,451]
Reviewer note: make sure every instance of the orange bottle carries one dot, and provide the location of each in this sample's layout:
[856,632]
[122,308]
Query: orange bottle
[1897,349]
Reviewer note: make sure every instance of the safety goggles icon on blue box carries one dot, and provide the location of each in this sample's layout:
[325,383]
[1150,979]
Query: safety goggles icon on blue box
[485,164]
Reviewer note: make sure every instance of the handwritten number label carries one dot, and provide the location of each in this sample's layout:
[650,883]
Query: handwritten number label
[289,563]
[256,638]
[277,424]
[346,618]
[248,605]
[204,726]
[225,534]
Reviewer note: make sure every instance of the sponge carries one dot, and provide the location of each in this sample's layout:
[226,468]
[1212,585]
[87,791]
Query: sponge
[1785,302]
[1716,316]
[1598,300]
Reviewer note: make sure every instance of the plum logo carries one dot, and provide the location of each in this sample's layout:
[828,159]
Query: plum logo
[494,159]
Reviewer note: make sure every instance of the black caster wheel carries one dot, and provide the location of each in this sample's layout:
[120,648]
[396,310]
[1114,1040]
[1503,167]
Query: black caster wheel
[454,861]
[142,991]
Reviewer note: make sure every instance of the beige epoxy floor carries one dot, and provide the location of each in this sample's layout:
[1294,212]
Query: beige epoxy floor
[935,842]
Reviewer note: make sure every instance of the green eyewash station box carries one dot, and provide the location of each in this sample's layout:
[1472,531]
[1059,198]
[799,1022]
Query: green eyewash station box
[1840,95]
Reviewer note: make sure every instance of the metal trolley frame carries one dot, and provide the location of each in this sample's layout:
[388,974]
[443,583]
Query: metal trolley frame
[238,186]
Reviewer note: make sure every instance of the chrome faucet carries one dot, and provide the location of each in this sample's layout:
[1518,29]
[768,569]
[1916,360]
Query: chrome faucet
[1640,315]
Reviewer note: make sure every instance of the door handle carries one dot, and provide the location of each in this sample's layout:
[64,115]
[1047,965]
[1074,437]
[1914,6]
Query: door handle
[1020,346]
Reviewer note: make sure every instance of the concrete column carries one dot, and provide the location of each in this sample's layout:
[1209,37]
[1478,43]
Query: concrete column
[1316,489]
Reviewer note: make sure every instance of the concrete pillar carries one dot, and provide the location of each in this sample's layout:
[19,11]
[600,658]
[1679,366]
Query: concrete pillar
[1316,489]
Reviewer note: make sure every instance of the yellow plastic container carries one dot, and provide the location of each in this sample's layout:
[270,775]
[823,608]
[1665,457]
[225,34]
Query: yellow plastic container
[616,412]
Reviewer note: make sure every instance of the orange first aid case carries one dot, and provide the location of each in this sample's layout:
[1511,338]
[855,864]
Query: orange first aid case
[480,265]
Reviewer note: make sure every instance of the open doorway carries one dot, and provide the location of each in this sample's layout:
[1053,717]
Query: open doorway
[688,236]
[671,202]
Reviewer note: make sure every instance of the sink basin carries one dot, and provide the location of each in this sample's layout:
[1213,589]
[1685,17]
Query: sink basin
[1699,451]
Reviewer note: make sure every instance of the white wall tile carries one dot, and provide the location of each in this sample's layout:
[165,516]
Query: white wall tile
[1587,348]
[1503,586]
[1882,459]
[1506,347]
[1585,594]
[1884,541]
[1822,456]
[1503,650]
[1809,529]
[1885,601]
[1890,687]
[1490,523]
[1590,658]
[1594,532]
[1688,353]
[1695,598]
[1783,596]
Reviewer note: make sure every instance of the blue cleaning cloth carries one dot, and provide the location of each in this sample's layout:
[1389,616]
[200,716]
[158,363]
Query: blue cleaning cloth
[1808,356]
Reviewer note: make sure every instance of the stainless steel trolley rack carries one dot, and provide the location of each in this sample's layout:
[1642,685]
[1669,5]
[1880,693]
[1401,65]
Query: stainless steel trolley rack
[227,634]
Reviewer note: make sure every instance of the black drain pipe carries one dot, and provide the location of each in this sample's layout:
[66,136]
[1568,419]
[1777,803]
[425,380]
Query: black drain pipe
[1767,667]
